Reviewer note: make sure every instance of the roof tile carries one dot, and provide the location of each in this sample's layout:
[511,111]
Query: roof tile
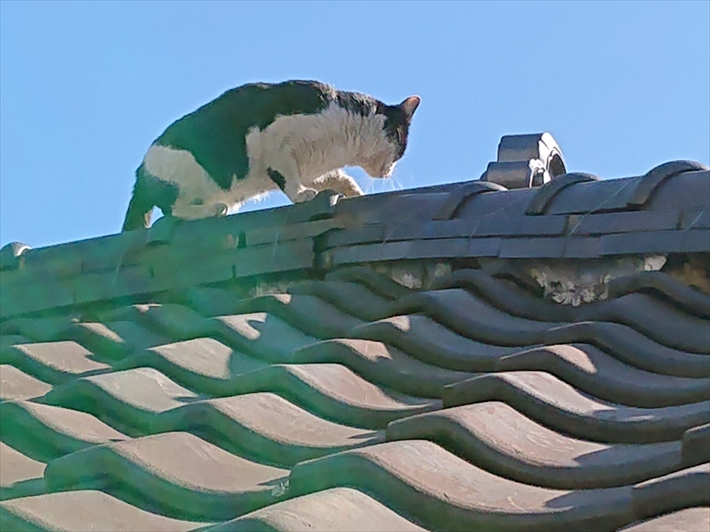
[304,312]
[688,488]
[127,400]
[687,299]
[688,520]
[53,362]
[657,318]
[498,438]
[426,340]
[16,385]
[591,370]
[205,365]
[91,510]
[632,347]
[383,365]
[265,427]
[338,509]
[44,432]
[180,475]
[421,479]
[262,335]
[20,475]
[335,392]
[556,404]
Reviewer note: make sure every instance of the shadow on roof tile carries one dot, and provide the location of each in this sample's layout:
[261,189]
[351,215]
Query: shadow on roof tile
[681,295]
[262,335]
[127,400]
[53,362]
[116,340]
[440,490]
[557,405]
[8,340]
[20,475]
[376,282]
[38,329]
[594,372]
[383,365]
[674,491]
[336,393]
[15,385]
[172,320]
[203,365]
[44,432]
[496,437]
[331,509]
[264,427]
[175,473]
[303,312]
[633,348]
[432,343]
[687,520]
[652,316]
[352,298]
[472,317]
[331,391]
[90,511]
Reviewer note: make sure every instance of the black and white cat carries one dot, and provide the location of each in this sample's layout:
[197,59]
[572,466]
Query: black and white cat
[296,136]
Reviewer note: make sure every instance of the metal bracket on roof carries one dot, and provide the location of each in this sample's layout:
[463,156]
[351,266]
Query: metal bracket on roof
[526,161]
[10,255]
[648,184]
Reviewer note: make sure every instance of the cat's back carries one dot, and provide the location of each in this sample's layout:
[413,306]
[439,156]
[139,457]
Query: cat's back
[236,111]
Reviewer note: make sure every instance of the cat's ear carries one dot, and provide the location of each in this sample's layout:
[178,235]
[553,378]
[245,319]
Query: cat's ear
[409,105]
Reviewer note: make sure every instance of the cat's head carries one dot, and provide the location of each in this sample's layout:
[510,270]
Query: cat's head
[395,131]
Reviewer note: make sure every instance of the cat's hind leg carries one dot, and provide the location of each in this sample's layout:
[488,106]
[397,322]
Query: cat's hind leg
[338,181]
[140,207]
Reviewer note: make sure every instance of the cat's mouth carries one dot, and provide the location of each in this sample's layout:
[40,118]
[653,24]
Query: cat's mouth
[380,171]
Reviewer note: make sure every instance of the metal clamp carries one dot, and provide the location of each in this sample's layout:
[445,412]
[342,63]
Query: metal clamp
[526,161]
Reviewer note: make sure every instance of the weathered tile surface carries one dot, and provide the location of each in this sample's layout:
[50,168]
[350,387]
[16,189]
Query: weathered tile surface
[182,420]
[83,511]
[348,401]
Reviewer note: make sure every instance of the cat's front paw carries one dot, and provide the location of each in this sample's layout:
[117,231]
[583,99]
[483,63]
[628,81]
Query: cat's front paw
[307,194]
[353,191]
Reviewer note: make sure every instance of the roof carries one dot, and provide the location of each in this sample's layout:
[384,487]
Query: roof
[399,361]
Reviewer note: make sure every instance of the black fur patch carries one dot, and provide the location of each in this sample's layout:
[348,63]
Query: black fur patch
[278,178]
[357,103]
[148,192]
[162,193]
[215,133]
[396,127]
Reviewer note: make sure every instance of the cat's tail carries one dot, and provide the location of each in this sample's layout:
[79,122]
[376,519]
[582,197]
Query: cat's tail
[140,208]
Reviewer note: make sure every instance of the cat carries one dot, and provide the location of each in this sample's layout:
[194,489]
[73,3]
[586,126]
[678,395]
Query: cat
[295,136]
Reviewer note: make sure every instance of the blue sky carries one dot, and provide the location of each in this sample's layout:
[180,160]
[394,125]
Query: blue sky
[85,87]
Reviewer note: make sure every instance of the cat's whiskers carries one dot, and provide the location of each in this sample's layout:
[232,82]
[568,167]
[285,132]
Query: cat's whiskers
[370,185]
[395,183]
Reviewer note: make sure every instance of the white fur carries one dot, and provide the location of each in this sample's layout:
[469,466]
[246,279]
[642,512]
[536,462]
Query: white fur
[179,167]
[303,148]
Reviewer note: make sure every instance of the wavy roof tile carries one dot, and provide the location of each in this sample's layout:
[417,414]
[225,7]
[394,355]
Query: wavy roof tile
[265,371]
